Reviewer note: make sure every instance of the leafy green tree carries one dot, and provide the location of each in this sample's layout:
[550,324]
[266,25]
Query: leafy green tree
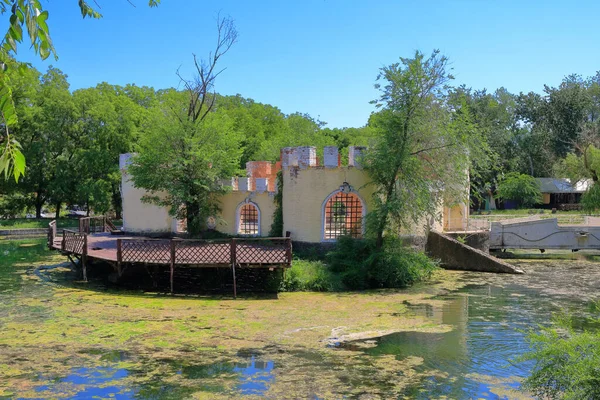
[567,361]
[187,150]
[521,188]
[47,134]
[108,122]
[27,18]
[420,154]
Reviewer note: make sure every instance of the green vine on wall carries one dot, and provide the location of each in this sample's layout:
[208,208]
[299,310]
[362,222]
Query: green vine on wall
[277,225]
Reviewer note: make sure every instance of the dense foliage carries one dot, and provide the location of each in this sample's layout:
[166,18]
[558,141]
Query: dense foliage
[522,188]
[361,265]
[72,139]
[567,361]
[423,146]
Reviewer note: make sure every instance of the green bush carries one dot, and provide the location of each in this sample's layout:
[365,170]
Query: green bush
[309,276]
[521,188]
[360,266]
[590,200]
[567,361]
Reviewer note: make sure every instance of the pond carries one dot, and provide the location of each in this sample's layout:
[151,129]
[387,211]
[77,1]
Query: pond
[456,337]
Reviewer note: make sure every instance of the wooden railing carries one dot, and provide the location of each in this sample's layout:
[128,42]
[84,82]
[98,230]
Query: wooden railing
[51,233]
[268,252]
[96,225]
[244,252]
[74,242]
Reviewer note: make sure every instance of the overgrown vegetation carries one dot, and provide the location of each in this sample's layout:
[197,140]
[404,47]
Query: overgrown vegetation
[521,188]
[357,264]
[567,360]
[277,225]
[423,146]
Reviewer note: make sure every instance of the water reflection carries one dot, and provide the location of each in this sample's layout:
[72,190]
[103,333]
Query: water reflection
[88,383]
[474,359]
[253,377]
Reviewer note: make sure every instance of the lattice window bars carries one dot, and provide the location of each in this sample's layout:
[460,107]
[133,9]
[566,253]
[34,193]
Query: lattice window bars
[343,216]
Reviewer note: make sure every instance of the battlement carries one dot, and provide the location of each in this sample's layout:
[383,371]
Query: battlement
[304,157]
[261,176]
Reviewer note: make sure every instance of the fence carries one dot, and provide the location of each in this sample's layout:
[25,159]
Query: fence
[267,252]
[95,225]
[483,222]
[254,251]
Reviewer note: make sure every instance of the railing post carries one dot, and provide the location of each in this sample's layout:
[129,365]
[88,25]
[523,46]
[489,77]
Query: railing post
[64,238]
[173,254]
[288,251]
[233,262]
[50,236]
[119,257]
[84,257]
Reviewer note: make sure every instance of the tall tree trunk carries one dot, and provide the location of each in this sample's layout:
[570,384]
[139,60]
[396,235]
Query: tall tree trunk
[58,205]
[192,212]
[39,203]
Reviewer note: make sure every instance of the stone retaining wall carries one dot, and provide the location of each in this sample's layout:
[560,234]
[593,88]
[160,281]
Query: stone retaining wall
[455,255]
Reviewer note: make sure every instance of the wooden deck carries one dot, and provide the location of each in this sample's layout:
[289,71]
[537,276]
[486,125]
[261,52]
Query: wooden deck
[259,252]
[95,240]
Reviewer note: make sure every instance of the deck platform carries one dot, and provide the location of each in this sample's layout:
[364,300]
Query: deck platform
[123,251]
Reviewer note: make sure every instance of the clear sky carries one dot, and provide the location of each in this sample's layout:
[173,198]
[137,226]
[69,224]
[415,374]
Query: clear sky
[321,57]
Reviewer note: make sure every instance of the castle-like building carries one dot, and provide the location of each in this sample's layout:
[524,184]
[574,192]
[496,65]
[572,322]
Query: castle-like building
[321,201]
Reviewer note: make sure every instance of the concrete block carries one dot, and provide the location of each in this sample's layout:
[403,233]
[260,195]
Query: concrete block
[331,157]
[124,160]
[354,154]
[244,184]
[228,183]
[289,157]
[456,255]
[261,185]
[307,156]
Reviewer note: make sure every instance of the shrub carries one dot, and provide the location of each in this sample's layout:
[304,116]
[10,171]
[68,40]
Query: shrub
[360,266]
[520,187]
[309,276]
[567,361]
[590,200]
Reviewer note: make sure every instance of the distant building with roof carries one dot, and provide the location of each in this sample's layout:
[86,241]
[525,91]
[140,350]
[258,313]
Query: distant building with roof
[558,192]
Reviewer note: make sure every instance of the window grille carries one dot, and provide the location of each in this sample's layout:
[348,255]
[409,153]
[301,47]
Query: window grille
[343,216]
[248,220]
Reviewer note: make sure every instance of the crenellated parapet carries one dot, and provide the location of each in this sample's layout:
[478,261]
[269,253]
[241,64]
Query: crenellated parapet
[304,157]
[261,176]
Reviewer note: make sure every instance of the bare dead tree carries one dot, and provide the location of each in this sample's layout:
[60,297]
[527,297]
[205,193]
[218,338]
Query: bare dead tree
[201,88]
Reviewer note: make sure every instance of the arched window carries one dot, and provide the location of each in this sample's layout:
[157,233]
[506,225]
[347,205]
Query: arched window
[343,214]
[248,219]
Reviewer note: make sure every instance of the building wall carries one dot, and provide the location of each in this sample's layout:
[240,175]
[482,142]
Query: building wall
[545,198]
[306,187]
[305,190]
[139,216]
[227,221]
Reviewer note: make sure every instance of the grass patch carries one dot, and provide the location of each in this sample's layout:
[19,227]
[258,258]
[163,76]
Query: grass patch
[32,223]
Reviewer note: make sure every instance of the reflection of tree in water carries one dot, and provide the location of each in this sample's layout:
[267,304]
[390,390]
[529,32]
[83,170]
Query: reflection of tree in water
[486,335]
[253,377]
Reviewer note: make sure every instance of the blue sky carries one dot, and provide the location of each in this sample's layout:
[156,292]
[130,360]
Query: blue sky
[321,57]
